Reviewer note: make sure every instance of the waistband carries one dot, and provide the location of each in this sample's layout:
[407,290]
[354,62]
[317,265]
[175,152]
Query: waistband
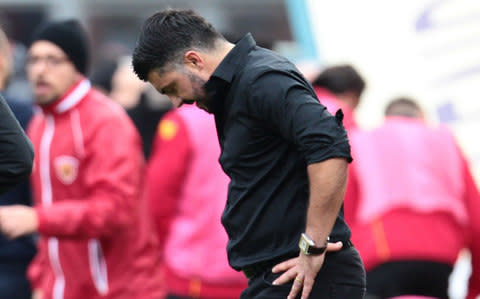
[256,269]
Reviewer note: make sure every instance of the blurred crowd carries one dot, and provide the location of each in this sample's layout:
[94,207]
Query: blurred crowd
[126,194]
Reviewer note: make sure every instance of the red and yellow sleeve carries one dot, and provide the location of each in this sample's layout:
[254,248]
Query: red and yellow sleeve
[352,195]
[166,171]
[38,267]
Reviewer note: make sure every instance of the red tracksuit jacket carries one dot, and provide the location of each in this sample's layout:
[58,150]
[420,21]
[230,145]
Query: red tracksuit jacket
[187,190]
[96,241]
[411,196]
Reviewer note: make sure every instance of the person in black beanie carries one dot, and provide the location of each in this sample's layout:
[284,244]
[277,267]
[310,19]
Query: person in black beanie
[65,69]
[96,240]
[70,37]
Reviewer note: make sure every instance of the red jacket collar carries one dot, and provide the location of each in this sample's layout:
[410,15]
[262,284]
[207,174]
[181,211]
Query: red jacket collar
[70,99]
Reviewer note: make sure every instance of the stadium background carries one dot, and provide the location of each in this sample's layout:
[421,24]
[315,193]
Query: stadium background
[427,49]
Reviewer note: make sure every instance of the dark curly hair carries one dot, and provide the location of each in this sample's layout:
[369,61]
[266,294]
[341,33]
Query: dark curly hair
[167,35]
[339,79]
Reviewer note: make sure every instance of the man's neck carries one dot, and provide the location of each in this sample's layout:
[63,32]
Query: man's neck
[221,51]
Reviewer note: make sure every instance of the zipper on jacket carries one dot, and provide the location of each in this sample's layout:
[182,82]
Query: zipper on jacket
[45,178]
[98,266]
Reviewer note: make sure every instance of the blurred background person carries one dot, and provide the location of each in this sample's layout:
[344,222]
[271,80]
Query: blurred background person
[6,60]
[17,88]
[142,103]
[96,239]
[21,107]
[126,88]
[101,77]
[187,191]
[15,255]
[340,87]
[109,55]
[412,205]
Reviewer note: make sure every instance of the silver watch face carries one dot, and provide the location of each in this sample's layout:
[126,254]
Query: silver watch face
[309,241]
[303,245]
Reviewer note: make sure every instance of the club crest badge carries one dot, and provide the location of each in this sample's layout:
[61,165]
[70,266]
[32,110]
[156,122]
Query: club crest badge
[66,168]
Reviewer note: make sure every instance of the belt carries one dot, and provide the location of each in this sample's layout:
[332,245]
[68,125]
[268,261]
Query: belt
[256,269]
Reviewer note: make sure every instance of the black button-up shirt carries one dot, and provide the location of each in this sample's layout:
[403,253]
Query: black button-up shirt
[270,127]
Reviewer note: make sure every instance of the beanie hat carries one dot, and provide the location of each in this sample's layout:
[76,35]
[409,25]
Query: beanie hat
[68,35]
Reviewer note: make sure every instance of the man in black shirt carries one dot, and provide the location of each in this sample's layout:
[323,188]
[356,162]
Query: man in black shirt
[286,156]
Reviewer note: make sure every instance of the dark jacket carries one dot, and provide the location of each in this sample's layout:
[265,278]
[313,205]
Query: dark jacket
[16,150]
[16,156]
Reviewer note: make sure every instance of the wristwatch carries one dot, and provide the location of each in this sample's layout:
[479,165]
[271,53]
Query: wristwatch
[308,247]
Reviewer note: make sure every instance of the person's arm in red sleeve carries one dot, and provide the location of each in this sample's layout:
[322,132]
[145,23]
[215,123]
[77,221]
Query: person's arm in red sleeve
[472,198]
[37,268]
[350,203]
[113,171]
[166,171]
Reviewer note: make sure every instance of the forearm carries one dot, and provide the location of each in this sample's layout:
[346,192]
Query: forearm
[327,188]
[87,218]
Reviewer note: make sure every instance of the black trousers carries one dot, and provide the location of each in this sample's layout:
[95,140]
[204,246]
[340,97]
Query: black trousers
[342,276]
[13,281]
[409,278]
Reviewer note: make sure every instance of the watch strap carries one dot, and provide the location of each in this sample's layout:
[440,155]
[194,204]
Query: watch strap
[317,250]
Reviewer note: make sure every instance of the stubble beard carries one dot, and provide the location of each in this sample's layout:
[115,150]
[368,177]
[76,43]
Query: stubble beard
[202,101]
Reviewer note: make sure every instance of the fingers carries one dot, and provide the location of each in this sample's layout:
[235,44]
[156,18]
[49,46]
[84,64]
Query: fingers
[334,246]
[307,287]
[284,266]
[2,225]
[6,227]
[296,287]
[7,231]
[286,277]
[7,234]
[37,294]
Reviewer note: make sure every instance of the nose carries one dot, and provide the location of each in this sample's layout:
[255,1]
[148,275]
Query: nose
[38,68]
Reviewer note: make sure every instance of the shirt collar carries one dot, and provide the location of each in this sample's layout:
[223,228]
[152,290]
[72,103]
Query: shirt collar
[70,99]
[228,67]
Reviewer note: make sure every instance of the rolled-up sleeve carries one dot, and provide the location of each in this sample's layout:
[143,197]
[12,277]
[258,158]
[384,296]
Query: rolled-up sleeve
[287,104]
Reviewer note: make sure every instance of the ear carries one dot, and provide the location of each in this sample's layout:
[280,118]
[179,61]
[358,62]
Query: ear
[194,60]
